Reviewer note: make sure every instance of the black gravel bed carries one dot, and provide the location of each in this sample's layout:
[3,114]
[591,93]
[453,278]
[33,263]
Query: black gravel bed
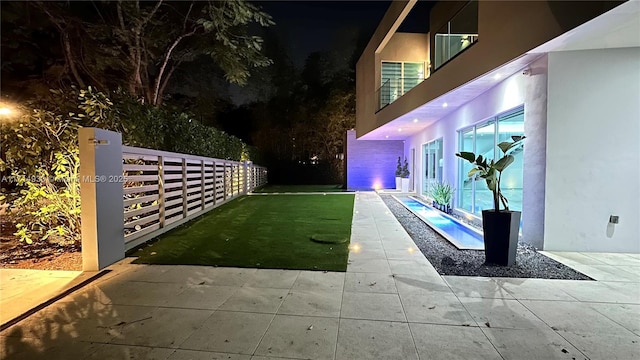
[449,260]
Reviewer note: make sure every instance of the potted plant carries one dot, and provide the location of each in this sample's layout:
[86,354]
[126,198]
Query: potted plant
[442,193]
[501,226]
[399,174]
[405,177]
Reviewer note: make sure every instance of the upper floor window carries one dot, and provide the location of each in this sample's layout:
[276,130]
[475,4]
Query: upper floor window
[397,78]
[457,34]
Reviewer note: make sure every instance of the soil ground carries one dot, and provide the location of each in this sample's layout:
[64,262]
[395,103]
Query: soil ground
[38,256]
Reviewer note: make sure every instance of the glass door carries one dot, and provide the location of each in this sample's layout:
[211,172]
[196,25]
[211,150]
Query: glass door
[483,139]
[433,164]
[466,184]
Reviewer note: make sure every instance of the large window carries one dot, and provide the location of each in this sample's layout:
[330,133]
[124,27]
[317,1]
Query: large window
[474,196]
[397,78]
[432,157]
[457,34]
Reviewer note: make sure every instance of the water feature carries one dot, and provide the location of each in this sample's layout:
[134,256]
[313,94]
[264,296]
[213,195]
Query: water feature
[459,234]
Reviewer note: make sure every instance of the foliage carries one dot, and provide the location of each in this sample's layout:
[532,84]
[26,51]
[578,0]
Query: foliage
[191,137]
[492,170]
[139,46]
[156,128]
[31,141]
[442,193]
[40,153]
[41,157]
[402,168]
[50,204]
[405,169]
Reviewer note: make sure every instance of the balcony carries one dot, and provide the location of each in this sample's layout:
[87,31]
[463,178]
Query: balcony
[456,35]
[392,89]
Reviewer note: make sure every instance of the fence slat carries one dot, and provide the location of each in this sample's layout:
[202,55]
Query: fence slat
[141,221]
[137,200]
[194,185]
[140,178]
[142,210]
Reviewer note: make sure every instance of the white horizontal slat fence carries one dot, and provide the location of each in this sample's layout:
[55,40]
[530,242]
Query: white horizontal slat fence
[163,190]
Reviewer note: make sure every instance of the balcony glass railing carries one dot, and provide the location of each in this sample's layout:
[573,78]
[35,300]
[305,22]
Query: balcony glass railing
[392,89]
[457,34]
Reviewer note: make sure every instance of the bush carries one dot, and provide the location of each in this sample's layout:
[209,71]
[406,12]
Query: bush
[40,154]
[40,161]
[442,193]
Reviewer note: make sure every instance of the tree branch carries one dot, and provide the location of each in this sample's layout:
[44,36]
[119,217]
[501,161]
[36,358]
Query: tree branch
[160,94]
[184,25]
[167,56]
[66,43]
[153,11]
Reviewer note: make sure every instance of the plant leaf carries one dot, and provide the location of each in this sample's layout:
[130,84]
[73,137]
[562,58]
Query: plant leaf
[504,162]
[472,172]
[469,156]
[505,145]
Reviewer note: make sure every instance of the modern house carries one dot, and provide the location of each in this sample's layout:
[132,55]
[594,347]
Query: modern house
[565,74]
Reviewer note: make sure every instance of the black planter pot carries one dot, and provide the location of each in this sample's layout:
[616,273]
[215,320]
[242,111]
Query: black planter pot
[500,236]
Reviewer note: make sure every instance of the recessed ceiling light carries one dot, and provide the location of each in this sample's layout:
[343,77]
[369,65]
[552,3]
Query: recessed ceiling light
[497,76]
[444,105]
[400,129]
[415,120]
[386,137]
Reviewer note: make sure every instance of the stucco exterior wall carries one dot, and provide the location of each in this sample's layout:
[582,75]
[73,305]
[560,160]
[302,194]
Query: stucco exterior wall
[371,164]
[593,147]
[513,92]
[507,30]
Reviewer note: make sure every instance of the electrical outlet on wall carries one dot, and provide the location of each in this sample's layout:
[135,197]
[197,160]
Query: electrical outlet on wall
[614,219]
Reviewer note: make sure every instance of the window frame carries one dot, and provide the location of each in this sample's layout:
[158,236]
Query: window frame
[425,174]
[461,162]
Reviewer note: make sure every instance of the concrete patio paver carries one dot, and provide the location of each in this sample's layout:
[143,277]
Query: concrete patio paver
[205,355]
[312,303]
[372,306]
[390,304]
[163,327]
[300,337]
[435,309]
[275,279]
[21,290]
[207,297]
[230,332]
[109,351]
[434,342]
[532,344]
[501,313]
[260,300]
[370,282]
[627,315]
[366,339]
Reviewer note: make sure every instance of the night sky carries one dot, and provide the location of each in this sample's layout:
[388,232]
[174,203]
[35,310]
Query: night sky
[308,26]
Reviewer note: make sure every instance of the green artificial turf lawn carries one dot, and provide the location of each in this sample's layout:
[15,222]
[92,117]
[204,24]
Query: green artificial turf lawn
[272,232]
[299,188]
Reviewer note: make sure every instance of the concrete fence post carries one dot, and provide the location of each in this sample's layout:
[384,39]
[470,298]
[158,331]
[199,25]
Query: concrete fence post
[101,193]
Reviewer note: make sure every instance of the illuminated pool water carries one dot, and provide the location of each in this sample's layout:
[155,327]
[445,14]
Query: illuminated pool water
[462,236]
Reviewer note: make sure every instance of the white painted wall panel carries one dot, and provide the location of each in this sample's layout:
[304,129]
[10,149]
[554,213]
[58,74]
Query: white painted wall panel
[593,151]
